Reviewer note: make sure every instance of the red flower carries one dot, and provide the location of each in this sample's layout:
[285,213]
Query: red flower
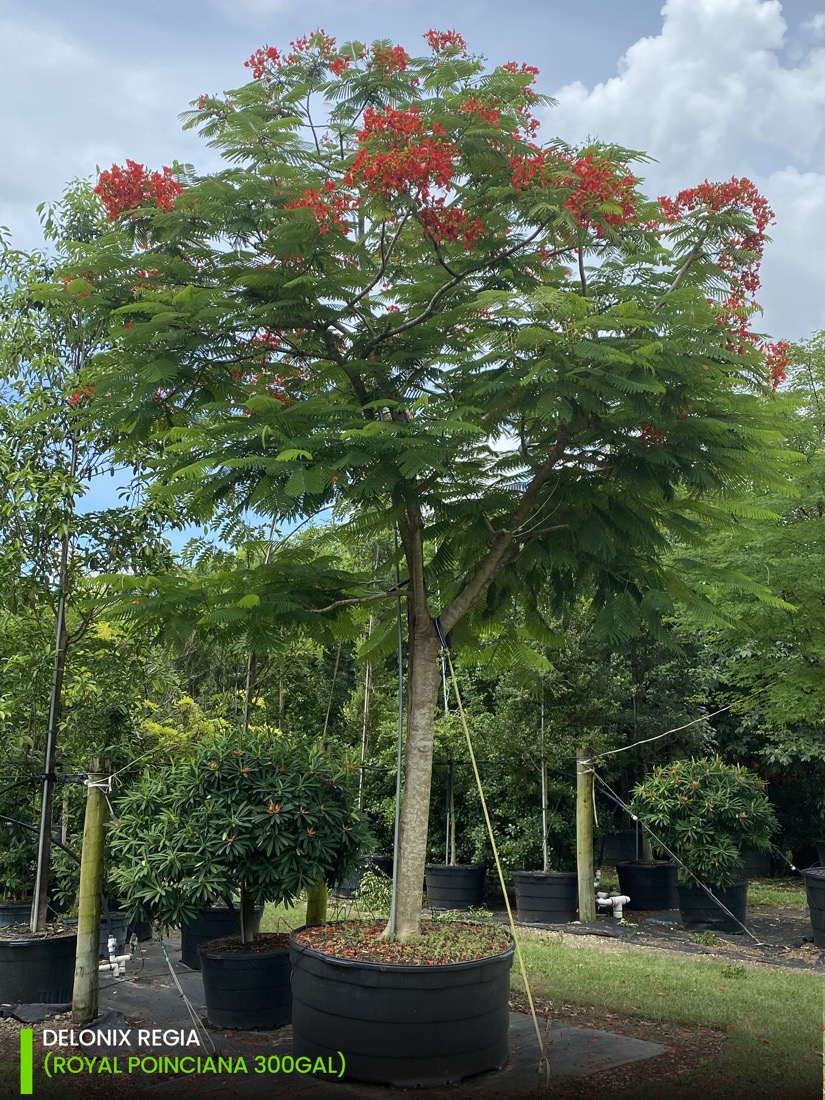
[441,41]
[129,188]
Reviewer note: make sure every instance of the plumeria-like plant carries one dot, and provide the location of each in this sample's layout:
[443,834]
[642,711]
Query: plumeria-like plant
[251,815]
[708,813]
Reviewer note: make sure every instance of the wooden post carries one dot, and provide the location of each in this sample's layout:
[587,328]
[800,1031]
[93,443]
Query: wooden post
[584,837]
[86,972]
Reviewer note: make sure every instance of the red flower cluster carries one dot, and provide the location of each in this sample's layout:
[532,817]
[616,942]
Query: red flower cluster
[339,64]
[263,60]
[78,395]
[449,223]
[480,110]
[598,184]
[396,156]
[778,360]
[734,315]
[328,207]
[122,189]
[529,168]
[390,59]
[439,41]
[715,197]
[523,69]
[650,435]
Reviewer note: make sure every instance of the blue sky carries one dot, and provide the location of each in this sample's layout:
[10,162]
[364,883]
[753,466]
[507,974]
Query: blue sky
[709,88]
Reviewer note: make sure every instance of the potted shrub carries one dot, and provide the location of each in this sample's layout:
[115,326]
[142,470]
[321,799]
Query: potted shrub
[707,813]
[253,816]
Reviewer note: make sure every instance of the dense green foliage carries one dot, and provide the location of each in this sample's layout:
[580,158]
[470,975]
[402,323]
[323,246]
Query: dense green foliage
[255,815]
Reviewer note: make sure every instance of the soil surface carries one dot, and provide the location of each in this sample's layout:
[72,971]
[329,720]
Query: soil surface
[263,942]
[54,931]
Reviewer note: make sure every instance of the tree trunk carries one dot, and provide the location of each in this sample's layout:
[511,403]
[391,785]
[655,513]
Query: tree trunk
[423,679]
[316,904]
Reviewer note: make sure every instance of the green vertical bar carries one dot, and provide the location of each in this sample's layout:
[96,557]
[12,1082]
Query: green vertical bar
[26,1068]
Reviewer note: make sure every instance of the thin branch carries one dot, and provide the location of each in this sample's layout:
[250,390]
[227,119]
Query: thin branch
[394,594]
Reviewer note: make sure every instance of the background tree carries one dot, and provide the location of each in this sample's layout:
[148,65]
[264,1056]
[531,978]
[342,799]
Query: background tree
[394,301]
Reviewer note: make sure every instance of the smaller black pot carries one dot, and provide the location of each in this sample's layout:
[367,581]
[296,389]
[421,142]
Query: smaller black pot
[648,885]
[212,924]
[14,912]
[455,886]
[620,847]
[701,913]
[379,863]
[814,879]
[117,925]
[756,864]
[246,990]
[820,848]
[546,897]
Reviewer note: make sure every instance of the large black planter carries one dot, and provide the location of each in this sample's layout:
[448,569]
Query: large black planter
[701,914]
[37,971]
[546,897]
[407,1026]
[648,885]
[212,924]
[454,886]
[814,879]
[246,990]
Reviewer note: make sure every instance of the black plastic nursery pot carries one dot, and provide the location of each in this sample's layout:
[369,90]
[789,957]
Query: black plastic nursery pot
[756,864]
[546,897]
[820,848]
[701,913]
[14,912]
[648,885]
[454,886]
[399,1025]
[37,971]
[620,847]
[212,924]
[814,879]
[246,990]
[117,925]
[379,863]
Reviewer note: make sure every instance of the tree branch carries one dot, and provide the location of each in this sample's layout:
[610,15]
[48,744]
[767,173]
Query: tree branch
[493,563]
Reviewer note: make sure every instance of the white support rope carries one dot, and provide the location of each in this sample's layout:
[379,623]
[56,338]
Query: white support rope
[543,1062]
[201,1030]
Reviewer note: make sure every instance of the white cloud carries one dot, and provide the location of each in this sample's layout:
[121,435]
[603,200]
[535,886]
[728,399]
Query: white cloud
[78,107]
[708,97]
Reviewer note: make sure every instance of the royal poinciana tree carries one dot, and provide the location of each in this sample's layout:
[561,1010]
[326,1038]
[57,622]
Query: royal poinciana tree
[396,300]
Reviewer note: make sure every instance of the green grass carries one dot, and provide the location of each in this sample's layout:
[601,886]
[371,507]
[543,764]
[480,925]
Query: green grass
[773,1019]
[785,893]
